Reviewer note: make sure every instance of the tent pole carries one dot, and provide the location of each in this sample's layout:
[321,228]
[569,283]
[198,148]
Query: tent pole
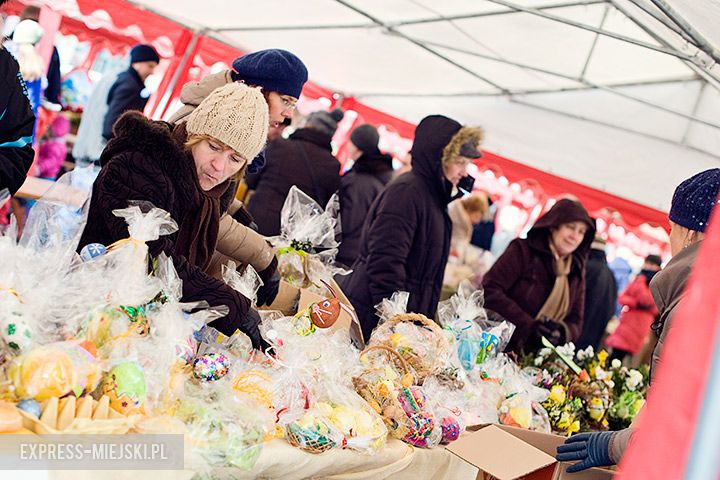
[189,50]
[572,23]
[694,112]
[698,69]
[526,92]
[468,16]
[610,125]
[697,38]
[393,31]
[585,82]
[594,44]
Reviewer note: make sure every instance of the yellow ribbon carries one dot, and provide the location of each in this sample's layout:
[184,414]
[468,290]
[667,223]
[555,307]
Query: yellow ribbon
[123,241]
[13,291]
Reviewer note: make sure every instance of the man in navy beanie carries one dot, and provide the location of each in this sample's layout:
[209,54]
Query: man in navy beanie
[128,92]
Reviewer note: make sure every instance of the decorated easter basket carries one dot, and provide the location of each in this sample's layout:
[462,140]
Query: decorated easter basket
[424,351]
[315,440]
[401,404]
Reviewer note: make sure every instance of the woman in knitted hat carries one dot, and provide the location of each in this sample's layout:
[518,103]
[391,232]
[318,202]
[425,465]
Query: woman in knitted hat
[281,75]
[184,170]
[691,208]
[538,283]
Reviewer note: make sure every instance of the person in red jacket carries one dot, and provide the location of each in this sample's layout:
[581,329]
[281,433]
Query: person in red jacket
[638,312]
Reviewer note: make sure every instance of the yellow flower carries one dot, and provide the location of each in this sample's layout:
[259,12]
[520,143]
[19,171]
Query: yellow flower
[574,427]
[602,356]
[557,394]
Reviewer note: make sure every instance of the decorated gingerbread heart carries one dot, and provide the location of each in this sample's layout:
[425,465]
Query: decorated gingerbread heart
[325,313]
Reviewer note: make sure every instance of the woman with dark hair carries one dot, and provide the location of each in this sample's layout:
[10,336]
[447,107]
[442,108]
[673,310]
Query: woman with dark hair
[184,170]
[538,283]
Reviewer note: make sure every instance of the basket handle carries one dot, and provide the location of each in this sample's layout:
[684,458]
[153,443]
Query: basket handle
[414,317]
[392,352]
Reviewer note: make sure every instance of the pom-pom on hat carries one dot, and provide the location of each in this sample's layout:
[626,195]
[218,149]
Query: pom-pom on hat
[326,122]
[694,200]
[274,70]
[234,114]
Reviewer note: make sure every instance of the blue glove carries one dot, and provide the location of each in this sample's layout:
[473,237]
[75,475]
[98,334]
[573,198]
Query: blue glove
[592,449]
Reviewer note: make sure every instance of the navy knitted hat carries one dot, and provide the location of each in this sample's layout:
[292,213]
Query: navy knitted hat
[694,199]
[274,70]
[143,53]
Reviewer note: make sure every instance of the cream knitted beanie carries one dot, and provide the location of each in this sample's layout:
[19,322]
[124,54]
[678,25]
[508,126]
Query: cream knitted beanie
[235,114]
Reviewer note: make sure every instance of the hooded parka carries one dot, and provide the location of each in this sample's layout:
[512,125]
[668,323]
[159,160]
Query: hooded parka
[406,236]
[520,281]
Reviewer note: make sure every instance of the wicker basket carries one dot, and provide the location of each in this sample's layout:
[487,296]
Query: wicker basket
[297,438]
[421,364]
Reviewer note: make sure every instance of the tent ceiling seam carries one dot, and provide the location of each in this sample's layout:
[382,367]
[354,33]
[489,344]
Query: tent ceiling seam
[664,20]
[701,92]
[590,28]
[694,64]
[610,125]
[399,34]
[585,82]
[509,11]
[528,92]
[594,43]
[698,39]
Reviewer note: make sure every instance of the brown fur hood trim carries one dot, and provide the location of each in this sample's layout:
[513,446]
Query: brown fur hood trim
[464,135]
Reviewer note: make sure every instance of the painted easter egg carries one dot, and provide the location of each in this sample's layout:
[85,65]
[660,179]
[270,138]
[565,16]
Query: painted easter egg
[450,429]
[125,385]
[211,367]
[325,313]
[92,250]
[30,405]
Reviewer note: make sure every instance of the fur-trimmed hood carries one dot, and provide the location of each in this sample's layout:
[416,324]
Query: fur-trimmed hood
[463,136]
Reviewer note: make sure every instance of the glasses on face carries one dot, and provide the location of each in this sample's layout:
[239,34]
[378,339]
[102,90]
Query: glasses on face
[289,102]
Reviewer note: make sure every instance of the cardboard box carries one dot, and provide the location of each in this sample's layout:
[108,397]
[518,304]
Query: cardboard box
[291,299]
[508,453]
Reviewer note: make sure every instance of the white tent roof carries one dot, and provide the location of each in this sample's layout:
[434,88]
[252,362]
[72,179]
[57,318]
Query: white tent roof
[622,95]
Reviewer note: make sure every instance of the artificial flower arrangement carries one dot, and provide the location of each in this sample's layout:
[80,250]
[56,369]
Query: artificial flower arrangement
[587,393]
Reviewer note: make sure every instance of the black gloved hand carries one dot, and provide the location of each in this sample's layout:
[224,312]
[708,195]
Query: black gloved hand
[271,284]
[553,331]
[251,323]
[592,449]
[244,217]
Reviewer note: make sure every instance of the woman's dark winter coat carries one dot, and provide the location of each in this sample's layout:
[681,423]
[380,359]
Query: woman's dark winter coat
[406,237]
[358,190]
[520,281]
[304,160]
[146,161]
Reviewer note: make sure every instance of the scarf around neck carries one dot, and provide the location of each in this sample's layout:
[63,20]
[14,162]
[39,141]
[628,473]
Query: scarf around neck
[558,302]
[198,232]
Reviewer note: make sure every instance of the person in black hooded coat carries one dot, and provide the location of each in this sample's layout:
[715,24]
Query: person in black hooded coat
[406,236]
[522,280]
[359,187]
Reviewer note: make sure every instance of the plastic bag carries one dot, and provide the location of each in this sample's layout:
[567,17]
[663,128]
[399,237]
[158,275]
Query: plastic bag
[475,337]
[307,243]
[226,429]
[247,283]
